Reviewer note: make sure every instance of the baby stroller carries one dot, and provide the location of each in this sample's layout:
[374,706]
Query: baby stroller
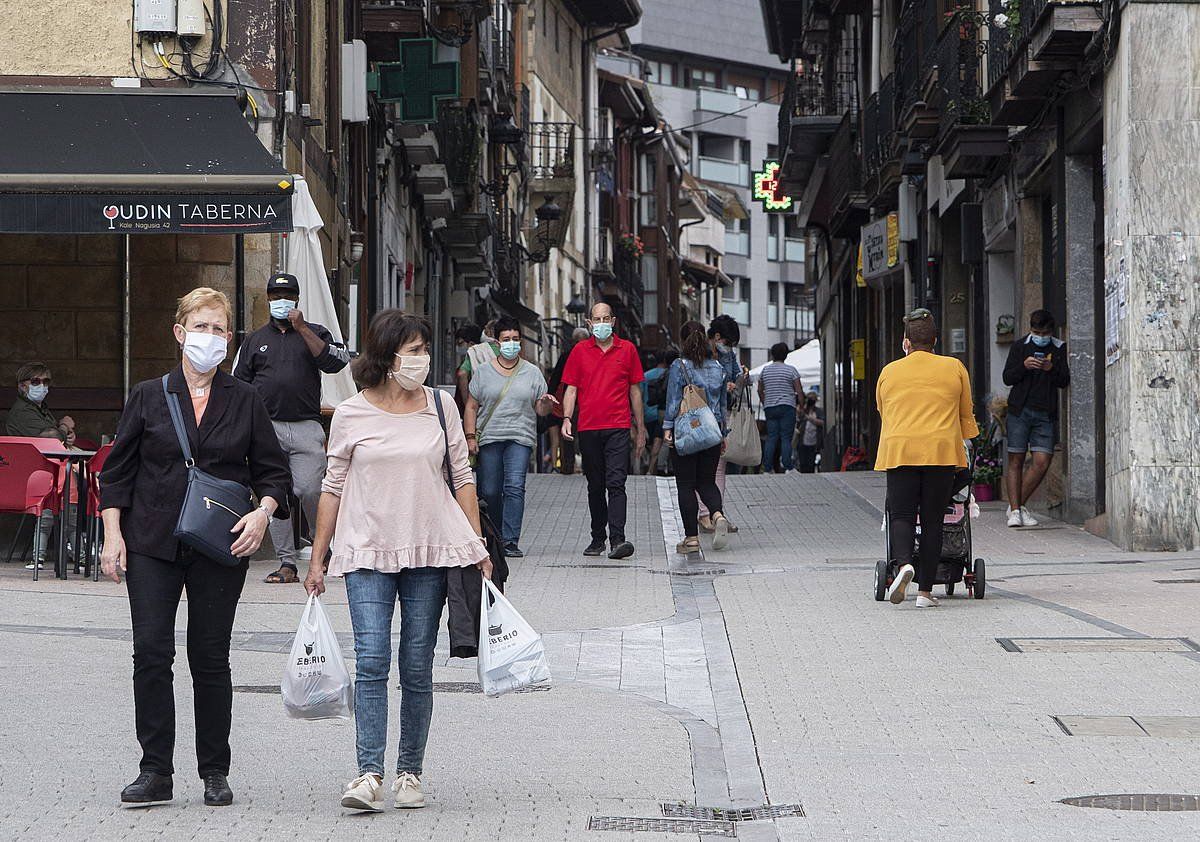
[955,564]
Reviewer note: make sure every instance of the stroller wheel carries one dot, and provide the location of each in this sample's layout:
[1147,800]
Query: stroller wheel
[949,589]
[980,584]
[881,583]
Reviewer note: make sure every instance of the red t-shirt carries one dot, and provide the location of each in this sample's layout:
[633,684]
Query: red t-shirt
[602,379]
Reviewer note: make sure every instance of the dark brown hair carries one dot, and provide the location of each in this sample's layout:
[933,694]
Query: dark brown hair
[694,342]
[389,331]
[922,333]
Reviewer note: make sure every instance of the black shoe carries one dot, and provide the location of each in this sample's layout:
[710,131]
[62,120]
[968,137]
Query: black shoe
[216,791]
[594,548]
[149,789]
[622,550]
[513,551]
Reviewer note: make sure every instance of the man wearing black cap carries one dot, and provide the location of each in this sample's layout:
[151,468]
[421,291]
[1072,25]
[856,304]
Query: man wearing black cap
[284,360]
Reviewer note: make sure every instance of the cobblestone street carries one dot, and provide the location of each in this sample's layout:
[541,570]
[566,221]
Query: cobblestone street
[762,675]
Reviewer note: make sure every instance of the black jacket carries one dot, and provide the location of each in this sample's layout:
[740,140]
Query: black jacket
[286,373]
[1036,389]
[145,477]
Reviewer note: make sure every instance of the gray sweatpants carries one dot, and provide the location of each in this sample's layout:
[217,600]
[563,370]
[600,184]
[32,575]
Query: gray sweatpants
[303,443]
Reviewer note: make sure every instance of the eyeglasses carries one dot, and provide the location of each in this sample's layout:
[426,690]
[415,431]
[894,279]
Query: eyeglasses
[918,314]
[38,381]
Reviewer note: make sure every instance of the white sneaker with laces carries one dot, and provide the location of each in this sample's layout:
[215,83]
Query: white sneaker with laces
[926,601]
[903,577]
[1026,518]
[363,793]
[1014,517]
[407,787]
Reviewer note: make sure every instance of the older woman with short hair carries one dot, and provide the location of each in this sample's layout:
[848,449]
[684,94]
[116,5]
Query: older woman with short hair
[142,491]
[395,530]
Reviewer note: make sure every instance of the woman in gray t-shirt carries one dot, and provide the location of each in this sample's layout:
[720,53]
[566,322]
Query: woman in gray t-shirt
[506,396]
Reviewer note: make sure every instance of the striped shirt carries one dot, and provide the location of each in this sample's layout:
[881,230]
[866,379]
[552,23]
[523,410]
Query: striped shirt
[777,380]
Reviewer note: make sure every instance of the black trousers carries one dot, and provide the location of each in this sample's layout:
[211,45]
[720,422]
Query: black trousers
[808,458]
[695,474]
[606,465]
[923,489]
[213,591]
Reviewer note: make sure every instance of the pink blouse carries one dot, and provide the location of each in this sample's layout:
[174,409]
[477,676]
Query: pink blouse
[397,511]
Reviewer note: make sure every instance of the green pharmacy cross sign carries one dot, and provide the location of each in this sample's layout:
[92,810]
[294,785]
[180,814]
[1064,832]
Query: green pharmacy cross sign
[416,82]
[766,189]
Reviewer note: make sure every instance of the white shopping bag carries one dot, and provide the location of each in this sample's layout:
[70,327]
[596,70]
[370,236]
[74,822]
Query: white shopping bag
[316,684]
[511,655]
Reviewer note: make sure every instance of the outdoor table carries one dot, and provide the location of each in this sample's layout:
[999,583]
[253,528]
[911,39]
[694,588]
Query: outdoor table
[53,449]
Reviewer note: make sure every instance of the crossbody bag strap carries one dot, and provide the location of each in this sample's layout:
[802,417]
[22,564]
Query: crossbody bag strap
[507,382]
[177,421]
[441,413]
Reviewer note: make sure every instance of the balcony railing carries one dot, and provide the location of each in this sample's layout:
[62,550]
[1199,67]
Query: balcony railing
[957,56]
[879,127]
[629,278]
[737,242]
[845,169]
[725,172]
[457,131]
[551,150]
[723,102]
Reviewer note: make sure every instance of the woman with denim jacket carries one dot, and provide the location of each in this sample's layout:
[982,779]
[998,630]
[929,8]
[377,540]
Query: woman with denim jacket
[696,473]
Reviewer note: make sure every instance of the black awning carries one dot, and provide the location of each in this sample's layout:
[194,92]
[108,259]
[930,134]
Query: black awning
[506,302]
[136,162]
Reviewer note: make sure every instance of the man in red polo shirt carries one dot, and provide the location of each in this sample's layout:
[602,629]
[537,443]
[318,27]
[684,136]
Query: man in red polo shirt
[603,374]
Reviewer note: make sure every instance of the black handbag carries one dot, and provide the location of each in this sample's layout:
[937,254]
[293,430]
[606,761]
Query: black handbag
[211,506]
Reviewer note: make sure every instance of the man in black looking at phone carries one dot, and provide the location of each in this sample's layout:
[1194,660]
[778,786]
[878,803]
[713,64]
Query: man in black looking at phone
[1036,369]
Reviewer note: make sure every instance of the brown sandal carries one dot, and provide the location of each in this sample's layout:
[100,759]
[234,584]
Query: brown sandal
[283,576]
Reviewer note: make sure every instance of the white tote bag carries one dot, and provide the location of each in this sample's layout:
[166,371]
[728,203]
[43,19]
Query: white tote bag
[316,684]
[743,445]
[511,655]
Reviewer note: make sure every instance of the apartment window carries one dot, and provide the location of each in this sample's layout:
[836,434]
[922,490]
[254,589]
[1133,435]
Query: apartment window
[772,237]
[793,240]
[719,160]
[648,198]
[700,78]
[772,152]
[773,305]
[744,92]
[735,300]
[797,309]
[556,32]
[660,72]
[737,236]
[571,48]
[650,287]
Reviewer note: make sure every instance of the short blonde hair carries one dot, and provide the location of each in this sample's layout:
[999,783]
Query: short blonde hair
[202,297]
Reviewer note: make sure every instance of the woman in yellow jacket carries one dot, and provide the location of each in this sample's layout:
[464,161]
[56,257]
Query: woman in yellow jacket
[925,403]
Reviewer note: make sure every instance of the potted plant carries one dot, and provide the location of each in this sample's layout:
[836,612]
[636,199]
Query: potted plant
[631,244]
[987,467]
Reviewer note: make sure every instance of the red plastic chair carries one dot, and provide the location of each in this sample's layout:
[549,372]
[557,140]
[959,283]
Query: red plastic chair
[28,485]
[95,466]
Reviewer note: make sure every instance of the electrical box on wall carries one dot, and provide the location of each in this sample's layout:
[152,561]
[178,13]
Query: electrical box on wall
[154,16]
[190,18]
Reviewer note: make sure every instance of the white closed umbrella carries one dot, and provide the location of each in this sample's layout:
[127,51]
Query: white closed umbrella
[304,260]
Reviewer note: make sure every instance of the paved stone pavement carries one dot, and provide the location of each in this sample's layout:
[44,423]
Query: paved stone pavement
[765,674]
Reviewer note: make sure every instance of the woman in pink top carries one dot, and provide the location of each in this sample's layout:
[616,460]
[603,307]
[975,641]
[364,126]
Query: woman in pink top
[395,529]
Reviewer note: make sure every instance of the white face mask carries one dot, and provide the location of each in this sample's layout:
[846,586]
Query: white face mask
[205,351]
[38,393]
[412,371]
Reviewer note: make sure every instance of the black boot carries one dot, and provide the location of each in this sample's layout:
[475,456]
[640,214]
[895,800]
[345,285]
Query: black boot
[216,791]
[149,789]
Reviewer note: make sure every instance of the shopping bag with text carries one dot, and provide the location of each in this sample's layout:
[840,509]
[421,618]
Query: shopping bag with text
[511,655]
[316,684]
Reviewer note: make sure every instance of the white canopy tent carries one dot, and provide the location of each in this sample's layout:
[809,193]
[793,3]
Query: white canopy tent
[806,359]
[303,259]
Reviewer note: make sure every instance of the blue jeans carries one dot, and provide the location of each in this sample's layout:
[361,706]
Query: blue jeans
[502,466]
[781,424]
[372,597]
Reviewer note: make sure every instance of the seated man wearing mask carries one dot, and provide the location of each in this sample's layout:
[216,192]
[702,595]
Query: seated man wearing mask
[284,360]
[31,417]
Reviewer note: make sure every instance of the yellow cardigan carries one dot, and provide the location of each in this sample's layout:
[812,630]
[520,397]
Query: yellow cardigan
[925,402]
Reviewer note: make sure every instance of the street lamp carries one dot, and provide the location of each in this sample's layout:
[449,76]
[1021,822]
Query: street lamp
[576,306]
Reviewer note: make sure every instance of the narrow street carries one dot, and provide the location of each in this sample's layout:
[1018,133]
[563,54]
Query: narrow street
[763,675]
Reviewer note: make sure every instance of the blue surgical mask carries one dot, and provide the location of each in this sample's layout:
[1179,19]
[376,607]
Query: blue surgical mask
[510,349]
[1040,341]
[38,393]
[281,307]
[602,331]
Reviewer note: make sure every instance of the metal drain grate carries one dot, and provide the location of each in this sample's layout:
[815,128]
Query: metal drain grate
[1143,803]
[1072,645]
[473,687]
[708,828]
[1122,561]
[696,569]
[733,814]
[256,688]
[1177,581]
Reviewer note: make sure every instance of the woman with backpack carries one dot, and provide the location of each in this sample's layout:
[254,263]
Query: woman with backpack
[696,472]
[654,401]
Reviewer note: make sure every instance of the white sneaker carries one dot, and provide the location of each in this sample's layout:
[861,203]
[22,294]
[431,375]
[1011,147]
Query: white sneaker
[903,577]
[1026,518]
[721,533]
[41,565]
[407,787]
[926,601]
[1014,517]
[363,793]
